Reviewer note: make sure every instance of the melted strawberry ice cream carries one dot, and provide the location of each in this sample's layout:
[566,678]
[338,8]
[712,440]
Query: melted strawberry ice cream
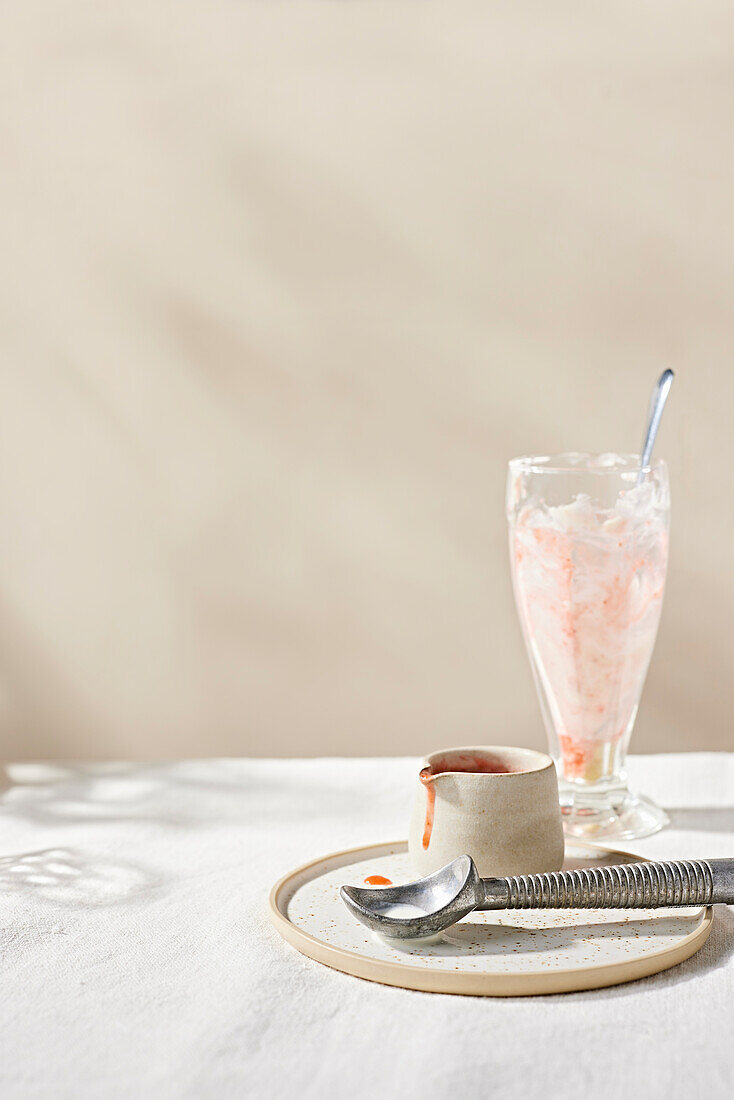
[589,585]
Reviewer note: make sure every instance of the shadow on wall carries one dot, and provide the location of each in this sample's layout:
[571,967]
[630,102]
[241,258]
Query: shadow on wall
[56,710]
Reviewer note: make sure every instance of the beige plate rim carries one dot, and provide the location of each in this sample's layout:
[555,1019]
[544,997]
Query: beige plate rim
[473,984]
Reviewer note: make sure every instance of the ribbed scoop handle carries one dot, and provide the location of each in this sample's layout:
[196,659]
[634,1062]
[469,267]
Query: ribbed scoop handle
[623,886]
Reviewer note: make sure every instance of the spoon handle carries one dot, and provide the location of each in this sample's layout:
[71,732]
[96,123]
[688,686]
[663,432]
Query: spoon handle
[657,404]
[623,886]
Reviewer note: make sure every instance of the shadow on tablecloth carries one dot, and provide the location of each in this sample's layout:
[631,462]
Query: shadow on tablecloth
[714,954]
[73,879]
[702,819]
[179,794]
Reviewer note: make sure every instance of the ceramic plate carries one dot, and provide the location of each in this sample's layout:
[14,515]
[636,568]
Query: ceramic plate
[499,954]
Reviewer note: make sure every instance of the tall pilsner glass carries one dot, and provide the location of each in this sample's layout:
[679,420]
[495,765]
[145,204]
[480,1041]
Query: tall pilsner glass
[589,550]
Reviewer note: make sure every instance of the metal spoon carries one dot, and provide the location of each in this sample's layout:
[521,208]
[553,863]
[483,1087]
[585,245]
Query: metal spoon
[657,404]
[428,906]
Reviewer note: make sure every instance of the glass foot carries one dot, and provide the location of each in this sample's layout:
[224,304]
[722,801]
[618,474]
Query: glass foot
[628,818]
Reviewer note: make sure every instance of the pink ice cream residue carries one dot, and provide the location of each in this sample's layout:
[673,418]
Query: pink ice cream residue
[589,584]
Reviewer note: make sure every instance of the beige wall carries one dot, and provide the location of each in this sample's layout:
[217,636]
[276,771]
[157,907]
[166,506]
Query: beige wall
[283,288]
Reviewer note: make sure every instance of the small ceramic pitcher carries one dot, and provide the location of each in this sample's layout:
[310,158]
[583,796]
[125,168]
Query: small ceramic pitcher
[497,804]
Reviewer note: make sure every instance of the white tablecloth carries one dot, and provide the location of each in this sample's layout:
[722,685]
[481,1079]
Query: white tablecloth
[138,959]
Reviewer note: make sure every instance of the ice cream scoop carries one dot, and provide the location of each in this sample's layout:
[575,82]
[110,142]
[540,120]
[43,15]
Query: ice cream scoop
[423,908]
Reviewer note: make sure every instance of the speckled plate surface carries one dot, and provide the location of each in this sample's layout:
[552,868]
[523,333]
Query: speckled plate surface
[498,954]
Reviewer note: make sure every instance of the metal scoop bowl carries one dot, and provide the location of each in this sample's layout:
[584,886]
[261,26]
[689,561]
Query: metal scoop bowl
[428,906]
[419,909]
